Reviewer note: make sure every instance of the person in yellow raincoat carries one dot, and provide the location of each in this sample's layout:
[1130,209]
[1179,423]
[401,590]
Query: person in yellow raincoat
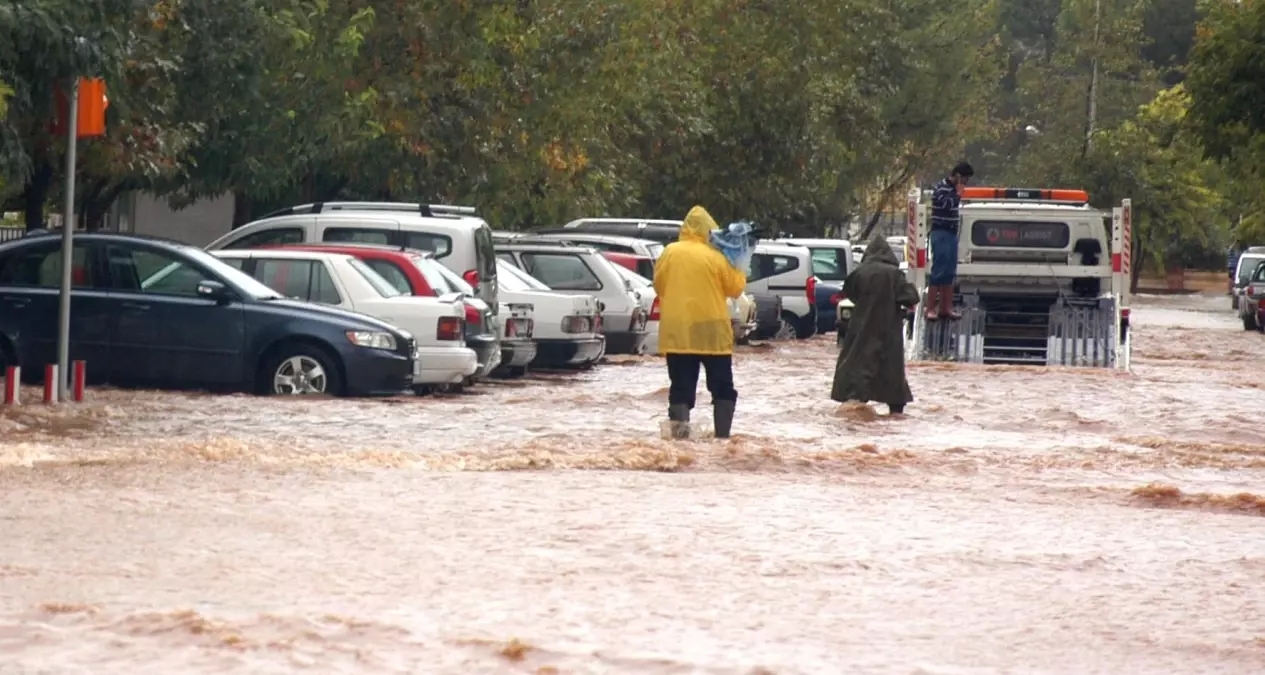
[692,280]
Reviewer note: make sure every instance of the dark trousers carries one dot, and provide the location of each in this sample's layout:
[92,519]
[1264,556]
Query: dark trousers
[683,375]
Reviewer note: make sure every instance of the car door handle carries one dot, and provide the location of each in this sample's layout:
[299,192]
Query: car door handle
[17,303]
[136,306]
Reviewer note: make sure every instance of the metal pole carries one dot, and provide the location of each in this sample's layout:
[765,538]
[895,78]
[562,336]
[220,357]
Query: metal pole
[67,241]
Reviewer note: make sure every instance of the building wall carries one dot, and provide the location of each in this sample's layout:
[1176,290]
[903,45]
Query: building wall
[198,224]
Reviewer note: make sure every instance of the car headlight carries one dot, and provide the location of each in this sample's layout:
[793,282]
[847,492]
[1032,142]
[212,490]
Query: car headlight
[845,314]
[372,339]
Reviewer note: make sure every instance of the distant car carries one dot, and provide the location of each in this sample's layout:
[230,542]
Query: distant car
[203,325]
[663,231]
[344,281]
[411,272]
[515,324]
[1252,300]
[1248,261]
[787,271]
[568,327]
[831,263]
[580,270]
[613,243]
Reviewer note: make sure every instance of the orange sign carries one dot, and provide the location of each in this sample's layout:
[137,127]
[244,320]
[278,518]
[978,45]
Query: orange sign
[92,104]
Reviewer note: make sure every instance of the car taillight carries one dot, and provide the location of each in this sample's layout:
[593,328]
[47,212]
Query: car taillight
[1255,290]
[471,277]
[838,297]
[1124,313]
[810,289]
[654,310]
[597,323]
[575,324]
[449,328]
[472,315]
[510,329]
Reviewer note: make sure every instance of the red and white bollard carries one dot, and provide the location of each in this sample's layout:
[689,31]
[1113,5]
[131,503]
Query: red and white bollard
[50,383]
[79,370]
[13,385]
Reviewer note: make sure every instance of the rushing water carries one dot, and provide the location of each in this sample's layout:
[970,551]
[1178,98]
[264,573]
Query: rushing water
[1015,520]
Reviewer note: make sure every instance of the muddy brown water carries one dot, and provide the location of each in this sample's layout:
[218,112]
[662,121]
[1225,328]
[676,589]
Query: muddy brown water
[1016,520]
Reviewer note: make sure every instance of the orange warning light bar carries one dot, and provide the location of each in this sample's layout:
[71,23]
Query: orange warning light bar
[1026,194]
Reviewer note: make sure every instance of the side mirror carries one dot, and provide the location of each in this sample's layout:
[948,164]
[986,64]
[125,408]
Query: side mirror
[214,290]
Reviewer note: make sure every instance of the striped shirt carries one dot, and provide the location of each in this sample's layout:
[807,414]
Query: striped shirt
[944,207]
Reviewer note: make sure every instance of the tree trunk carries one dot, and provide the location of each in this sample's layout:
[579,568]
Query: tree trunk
[1135,266]
[35,195]
[243,209]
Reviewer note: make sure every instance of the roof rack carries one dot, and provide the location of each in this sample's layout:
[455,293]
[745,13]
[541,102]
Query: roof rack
[426,210]
[529,239]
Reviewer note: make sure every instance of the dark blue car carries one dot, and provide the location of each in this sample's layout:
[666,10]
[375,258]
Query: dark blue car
[156,313]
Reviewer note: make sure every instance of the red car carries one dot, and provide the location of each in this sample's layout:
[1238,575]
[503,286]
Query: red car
[637,263]
[418,273]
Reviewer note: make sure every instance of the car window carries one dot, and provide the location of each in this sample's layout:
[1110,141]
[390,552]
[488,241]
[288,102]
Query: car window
[765,265]
[41,266]
[1260,273]
[389,270]
[455,283]
[829,264]
[632,277]
[157,271]
[1247,265]
[291,278]
[324,289]
[431,270]
[529,283]
[507,258]
[437,244]
[561,271]
[270,237]
[655,250]
[382,286]
[358,235]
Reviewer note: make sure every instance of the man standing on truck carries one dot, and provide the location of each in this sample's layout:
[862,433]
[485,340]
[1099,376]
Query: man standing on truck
[945,219]
[692,279]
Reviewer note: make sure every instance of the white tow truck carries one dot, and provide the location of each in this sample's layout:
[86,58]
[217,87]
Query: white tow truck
[1039,280]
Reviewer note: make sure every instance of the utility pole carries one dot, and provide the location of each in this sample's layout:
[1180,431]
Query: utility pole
[1091,105]
[67,241]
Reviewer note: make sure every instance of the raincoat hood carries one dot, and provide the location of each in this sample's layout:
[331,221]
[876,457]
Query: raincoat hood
[879,251]
[698,225]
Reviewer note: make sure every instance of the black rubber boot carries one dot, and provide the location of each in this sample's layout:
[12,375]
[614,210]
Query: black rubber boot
[896,409]
[679,415]
[723,412]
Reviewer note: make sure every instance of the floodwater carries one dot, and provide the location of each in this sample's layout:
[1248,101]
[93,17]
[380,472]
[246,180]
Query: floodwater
[1015,520]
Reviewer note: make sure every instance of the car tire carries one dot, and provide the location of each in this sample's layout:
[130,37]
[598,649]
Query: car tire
[422,389]
[285,359]
[1249,323]
[804,328]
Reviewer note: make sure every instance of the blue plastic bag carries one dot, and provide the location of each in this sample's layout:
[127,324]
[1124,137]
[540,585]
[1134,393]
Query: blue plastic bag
[737,244]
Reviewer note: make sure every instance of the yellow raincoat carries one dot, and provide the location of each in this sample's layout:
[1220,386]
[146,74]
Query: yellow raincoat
[692,280]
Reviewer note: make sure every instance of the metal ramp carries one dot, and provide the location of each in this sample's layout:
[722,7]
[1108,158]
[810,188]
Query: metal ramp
[1020,330]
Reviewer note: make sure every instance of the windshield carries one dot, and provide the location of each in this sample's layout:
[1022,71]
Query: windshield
[528,282]
[1260,273]
[436,281]
[456,283]
[1247,265]
[632,277]
[235,276]
[382,286]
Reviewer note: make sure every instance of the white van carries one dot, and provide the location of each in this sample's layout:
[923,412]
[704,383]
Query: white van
[454,234]
[787,271]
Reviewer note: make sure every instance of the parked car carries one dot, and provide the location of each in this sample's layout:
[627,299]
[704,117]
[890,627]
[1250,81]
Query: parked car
[414,272]
[1252,300]
[613,243]
[831,264]
[458,239]
[787,271]
[1243,272]
[515,324]
[344,281]
[568,327]
[579,270]
[648,300]
[152,312]
[638,264]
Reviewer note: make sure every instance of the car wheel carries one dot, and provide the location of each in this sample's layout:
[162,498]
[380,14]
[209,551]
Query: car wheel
[301,370]
[1249,323]
[785,330]
[803,328]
